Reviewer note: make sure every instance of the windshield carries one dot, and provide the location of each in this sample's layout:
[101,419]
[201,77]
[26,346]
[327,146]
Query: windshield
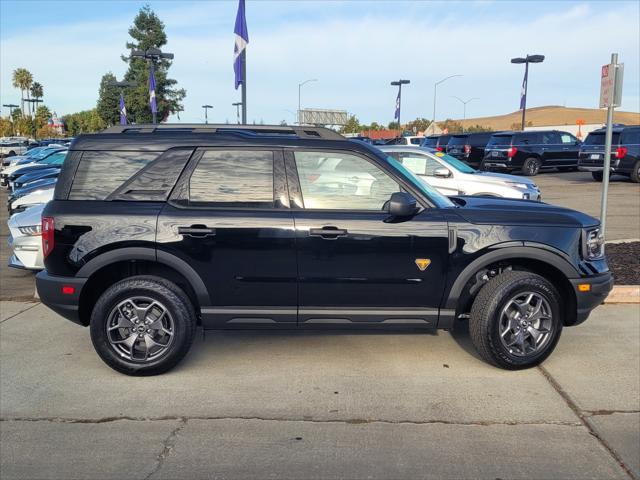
[454,162]
[55,159]
[598,138]
[436,197]
[43,153]
[500,140]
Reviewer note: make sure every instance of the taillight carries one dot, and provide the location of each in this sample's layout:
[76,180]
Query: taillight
[439,148]
[467,149]
[511,152]
[621,152]
[48,228]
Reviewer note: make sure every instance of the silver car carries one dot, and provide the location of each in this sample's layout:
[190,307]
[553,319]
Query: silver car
[26,240]
[451,176]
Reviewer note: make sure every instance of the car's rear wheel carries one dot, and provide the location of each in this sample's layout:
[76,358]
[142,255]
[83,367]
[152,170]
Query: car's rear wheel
[142,325]
[635,173]
[597,176]
[531,167]
[515,320]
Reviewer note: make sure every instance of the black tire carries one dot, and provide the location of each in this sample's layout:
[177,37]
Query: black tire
[486,312]
[531,167]
[597,176]
[11,154]
[177,304]
[635,173]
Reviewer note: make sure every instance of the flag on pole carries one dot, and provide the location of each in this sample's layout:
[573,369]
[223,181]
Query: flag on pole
[242,39]
[123,111]
[523,91]
[152,90]
[396,115]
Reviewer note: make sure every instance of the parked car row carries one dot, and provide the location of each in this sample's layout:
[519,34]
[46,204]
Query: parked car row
[31,179]
[529,152]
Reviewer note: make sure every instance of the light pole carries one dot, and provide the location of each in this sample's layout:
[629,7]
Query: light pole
[399,84]
[11,107]
[206,109]
[299,89]
[464,107]
[122,86]
[237,105]
[435,93]
[523,94]
[152,55]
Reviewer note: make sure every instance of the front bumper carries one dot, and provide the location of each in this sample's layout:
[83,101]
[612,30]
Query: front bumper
[599,287]
[50,289]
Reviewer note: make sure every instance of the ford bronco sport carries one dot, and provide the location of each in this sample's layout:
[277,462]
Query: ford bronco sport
[155,230]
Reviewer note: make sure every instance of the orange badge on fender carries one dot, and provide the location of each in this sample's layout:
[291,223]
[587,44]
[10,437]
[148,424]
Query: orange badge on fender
[423,263]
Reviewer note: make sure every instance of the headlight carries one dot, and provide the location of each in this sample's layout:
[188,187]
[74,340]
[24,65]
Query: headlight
[30,230]
[518,185]
[593,244]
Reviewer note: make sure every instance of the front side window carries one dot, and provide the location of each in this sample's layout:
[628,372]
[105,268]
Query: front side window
[567,139]
[233,178]
[342,181]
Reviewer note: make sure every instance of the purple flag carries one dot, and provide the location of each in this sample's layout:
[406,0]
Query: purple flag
[242,39]
[123,111]
[396,115]
[152,91]
[523,91]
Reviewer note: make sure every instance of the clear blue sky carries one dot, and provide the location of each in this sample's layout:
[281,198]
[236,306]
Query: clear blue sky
[354,49]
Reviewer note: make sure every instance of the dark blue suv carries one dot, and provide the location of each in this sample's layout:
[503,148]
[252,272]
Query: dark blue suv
[625,152]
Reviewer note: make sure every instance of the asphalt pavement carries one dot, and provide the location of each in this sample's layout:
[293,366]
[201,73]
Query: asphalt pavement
[320,405]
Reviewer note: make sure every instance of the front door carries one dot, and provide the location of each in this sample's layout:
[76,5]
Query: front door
[356,265]
[229,219]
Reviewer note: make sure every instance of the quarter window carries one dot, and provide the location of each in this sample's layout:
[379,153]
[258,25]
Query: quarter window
[231,178]
[341,181]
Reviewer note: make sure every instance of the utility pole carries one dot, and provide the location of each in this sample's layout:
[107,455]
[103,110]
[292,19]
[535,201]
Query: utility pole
[525,83]
[300,85]
[206,109]
[152,55]
[435,96]
[399,84]
[237,105]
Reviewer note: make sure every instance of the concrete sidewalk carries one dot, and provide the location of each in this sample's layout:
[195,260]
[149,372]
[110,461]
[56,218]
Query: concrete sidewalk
[323,405]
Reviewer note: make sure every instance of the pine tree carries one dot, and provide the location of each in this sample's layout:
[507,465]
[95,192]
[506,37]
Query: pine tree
[148,32]
[108,105]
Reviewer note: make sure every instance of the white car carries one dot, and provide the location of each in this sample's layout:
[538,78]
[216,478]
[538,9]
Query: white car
[26,240]
[410,141]
[13,146]
[451,176]
[35,198]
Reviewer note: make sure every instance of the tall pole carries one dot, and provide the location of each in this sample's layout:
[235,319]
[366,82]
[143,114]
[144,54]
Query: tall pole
[237,105]
[607,150]
[300,85]
[399,106]
[464,108]
[206,109]
[244,86]
[435,93]
[526,87]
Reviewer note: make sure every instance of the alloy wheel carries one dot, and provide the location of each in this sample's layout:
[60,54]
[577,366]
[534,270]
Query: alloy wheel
[526,324]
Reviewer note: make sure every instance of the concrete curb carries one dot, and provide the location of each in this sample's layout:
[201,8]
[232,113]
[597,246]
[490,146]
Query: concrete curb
[624,294]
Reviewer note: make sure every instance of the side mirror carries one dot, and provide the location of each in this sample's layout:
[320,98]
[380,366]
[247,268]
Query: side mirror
[401,204]
[442,172]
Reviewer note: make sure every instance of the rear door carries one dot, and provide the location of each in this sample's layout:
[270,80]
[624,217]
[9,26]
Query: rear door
[357,266]
[229,219]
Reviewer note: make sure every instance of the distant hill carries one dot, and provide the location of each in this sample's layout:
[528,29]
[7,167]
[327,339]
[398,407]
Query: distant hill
[552,115]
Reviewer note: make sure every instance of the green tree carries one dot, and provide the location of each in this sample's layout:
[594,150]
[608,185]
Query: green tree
[418,125]
[452,126]
[22,79]
[37,91]
[24,126]
[108,100]
[87,121]
[393,126]
[43,114]
[352,125]
[477,128]
[6,127]
[148,32]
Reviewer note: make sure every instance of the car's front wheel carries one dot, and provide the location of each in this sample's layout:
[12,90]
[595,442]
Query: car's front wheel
[142,325]
[515,320]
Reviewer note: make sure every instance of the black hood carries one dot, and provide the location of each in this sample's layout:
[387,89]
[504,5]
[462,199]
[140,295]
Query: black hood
[504,211]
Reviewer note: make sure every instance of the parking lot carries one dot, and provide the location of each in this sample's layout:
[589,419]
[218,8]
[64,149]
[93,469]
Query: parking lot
[326,405]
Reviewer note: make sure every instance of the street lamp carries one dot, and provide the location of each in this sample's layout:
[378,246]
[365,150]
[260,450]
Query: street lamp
[122,85]
[151,55]
[435,93]
[399,84]
[299,89]
[206,109]
[464,107]
[523,94]
[237,105]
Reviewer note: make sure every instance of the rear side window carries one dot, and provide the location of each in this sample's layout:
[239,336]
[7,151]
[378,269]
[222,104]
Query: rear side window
[416,141]
[500,140]
[101,173]
[459,140]
[430,142]
[550,138]
[630,137]
[231,178]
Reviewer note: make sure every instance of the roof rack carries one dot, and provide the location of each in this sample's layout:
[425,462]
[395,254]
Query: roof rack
[302,131]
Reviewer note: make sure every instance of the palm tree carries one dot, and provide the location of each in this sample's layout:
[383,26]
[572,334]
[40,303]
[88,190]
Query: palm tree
[23,80]
[37,91]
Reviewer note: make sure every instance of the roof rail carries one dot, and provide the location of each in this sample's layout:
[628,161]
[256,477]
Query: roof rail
[301,131]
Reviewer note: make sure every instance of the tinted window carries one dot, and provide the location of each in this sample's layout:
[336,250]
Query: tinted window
[416,141]
[500,140]
[631,137]
[598,138]
[430,142]
[529,138]
[550,138]
[443,140]
[341,181]
[101,173]
[458,140]
[232,178]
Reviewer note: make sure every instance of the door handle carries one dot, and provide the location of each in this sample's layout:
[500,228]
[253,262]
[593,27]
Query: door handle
[328,233]
[197,231]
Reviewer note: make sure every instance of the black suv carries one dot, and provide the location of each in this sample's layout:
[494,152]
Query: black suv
[439,142]
[469,147]
[155,230]
[625,152]
[531,151]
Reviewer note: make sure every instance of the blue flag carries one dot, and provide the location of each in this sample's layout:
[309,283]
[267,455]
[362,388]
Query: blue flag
[123,111]
[152,91]
[242,39]
[523,91]
[396,115]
